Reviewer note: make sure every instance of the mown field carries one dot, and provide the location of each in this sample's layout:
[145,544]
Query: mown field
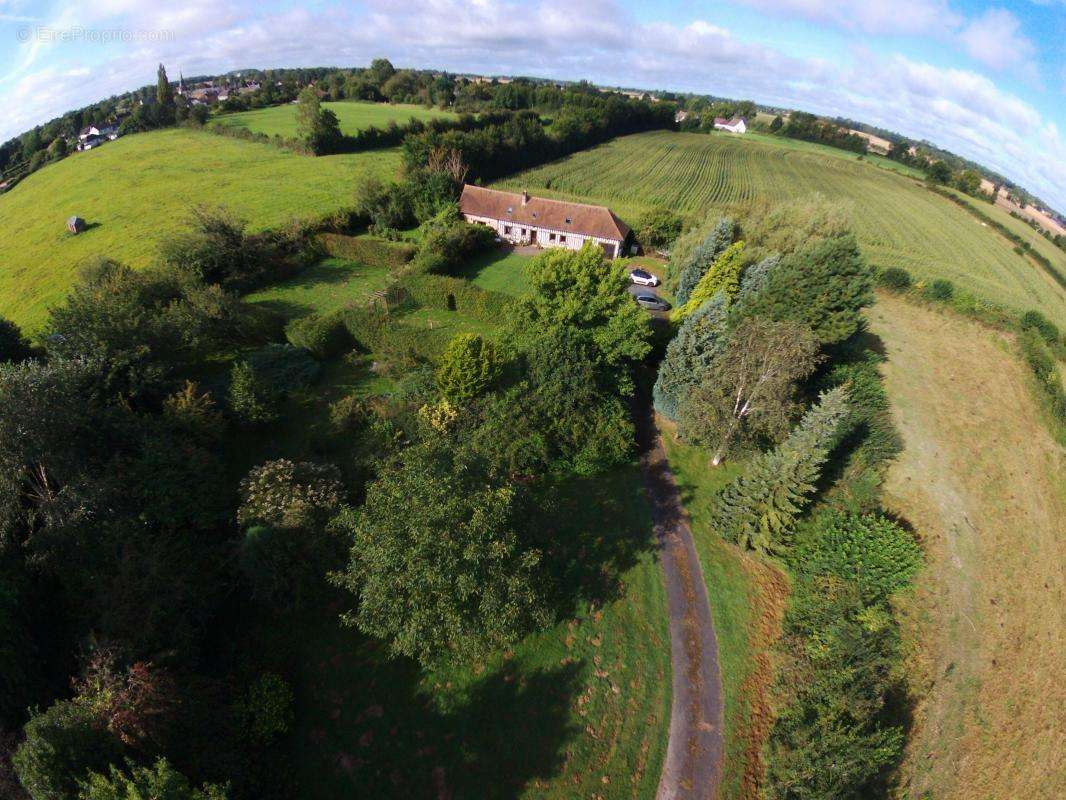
[982,481]
[898,221]
[352,115]
[139,189]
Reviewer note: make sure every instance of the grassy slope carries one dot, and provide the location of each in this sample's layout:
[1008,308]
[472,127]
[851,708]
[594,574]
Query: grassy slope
[983,482]
[898,221]
[747,601]
[137,190]
[353,116]
[587,699]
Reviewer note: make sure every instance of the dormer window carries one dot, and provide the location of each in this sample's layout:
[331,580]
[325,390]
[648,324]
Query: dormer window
[510,209]
[534,215]
[568,221]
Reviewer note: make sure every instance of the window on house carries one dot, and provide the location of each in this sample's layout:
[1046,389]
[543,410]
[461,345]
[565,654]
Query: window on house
[551,237]
[507,230]
[562,238]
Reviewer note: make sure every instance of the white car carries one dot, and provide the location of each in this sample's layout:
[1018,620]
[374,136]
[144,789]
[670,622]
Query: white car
[643,278]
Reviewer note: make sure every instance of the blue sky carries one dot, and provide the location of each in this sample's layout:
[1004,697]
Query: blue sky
[984,79]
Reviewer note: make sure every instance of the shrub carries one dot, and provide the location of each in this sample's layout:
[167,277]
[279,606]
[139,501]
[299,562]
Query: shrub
[159,782]
[288,494]
[13,345]
[941,290]
[349,414]
[265,710]
[366,326]
[895,278]
[869,550]
[282,368]
[251,402]
[1036,321]
[323,337]
[659,227]
[468,368]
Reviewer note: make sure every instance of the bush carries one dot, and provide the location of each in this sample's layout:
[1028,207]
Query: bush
[468,368]
[659,227]
[284,368]
[367,250]
[366,326]
[289,495]
[324,337]
[251,402]
[265,711]
[159,782]
[895,278]
[941,289]
[13,345]
[448,244]
[1034,320]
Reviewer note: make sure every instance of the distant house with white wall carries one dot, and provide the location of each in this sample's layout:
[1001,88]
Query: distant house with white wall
[680,115]
[521,219]
[733,125]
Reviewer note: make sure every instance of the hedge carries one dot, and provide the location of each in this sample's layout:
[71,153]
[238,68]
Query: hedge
[367,250]
[324,337]
[456,294]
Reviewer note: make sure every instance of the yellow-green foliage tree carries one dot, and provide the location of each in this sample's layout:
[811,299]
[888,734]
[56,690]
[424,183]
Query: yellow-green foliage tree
[723,277]
[469,366]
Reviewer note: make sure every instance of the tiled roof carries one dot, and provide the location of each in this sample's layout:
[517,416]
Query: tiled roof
[539,212]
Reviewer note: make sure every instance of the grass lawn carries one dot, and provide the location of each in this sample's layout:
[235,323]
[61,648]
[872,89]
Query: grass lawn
[984,484]
[580,710]
[137,190]
[747,600]
[327,286]
[499,270]
[353,116]
[898,221]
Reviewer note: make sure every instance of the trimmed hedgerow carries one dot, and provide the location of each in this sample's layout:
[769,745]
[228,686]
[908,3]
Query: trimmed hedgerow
[324,337]
[367,250]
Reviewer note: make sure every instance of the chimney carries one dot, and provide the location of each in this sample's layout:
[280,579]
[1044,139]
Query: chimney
[525,197]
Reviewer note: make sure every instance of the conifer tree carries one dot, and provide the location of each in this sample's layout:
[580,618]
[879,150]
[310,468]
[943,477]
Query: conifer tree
[705,254]
[756,276]
[759,509]
[723,278]
[689,355]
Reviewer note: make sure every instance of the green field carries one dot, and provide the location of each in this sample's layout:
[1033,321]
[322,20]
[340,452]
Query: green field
[898,221]
[353,116]
[135,191]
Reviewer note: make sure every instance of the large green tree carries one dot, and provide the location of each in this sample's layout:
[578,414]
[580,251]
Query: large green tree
[13,345]
[581,290]
[823,286]
[316,126]
[438,567]
[703,256]
[689,356]
[749,389]
[758,509]
[157,782]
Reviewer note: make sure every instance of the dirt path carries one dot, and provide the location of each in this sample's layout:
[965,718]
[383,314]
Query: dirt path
[692,768]
[982,482]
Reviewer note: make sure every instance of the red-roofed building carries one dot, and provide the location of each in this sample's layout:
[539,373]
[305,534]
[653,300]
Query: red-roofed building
[522,219]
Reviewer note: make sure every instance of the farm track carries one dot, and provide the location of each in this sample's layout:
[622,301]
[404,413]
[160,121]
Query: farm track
[899,223]
[692,769]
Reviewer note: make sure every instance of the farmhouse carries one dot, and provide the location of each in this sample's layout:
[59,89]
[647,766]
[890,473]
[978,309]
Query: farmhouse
[733,125]
[522,219]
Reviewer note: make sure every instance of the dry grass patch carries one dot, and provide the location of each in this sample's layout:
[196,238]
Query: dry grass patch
[981,479]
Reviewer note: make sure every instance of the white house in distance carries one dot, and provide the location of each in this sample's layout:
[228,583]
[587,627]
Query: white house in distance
[521,219]
[733,125]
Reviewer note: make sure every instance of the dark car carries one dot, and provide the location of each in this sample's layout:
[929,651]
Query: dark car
[652,302]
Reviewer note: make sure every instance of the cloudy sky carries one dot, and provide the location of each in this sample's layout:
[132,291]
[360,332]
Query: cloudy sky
[984,79]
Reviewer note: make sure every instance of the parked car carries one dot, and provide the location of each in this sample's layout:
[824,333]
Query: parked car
[652,302]
[642,277]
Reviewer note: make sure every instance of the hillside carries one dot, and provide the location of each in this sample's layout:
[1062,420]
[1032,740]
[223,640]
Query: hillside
[899,222]
[981,480]
[136,190]
[353,117]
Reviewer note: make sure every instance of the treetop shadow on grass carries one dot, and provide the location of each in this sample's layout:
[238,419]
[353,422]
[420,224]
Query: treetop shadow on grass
[371,728]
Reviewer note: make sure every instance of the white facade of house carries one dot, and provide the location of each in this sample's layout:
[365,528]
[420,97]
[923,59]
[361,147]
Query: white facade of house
[520,233]
[733,126]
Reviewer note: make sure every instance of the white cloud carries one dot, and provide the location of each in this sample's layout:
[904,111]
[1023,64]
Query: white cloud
[996,40]
[571,39]
[869,16]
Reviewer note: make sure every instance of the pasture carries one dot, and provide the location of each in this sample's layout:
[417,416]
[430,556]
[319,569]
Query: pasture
[899,223]
[353,116]
[982,481]
[136,191]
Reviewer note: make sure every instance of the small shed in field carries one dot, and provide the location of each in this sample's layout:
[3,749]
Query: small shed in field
[75,224]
